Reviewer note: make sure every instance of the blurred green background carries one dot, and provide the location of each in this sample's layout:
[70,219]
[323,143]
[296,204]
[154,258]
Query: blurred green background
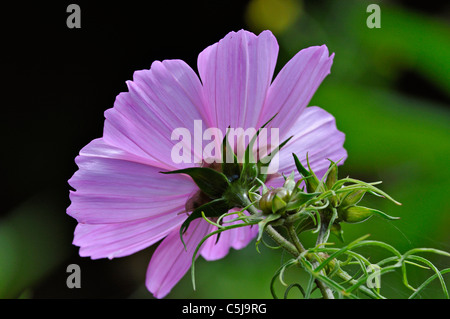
[389,90]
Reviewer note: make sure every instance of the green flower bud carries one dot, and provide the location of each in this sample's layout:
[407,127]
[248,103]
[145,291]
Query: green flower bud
[274,200]
[352,198]
[355,214]
[332,175]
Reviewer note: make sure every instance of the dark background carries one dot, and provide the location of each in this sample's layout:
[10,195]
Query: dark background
[57,82]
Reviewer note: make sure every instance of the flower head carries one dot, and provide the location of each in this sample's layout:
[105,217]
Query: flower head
[124,204]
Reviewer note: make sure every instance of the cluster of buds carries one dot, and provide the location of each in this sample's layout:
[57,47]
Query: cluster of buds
[330,199]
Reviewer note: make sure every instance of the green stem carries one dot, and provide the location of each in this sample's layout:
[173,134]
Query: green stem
[280,240]
[294,238]
[322,232]
[246,203]
[321,238]
[294,250]
[326,292]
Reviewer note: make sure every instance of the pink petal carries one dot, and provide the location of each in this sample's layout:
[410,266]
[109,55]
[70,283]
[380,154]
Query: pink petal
[315,133]
[236,238]
[294,87]
[113,186]
[123,239]
[236,73]
[166,97]
[171,261]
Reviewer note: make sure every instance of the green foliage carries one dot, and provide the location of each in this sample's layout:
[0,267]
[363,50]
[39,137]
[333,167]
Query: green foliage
[348,285]
[28,250]
[337,272]
[208,180]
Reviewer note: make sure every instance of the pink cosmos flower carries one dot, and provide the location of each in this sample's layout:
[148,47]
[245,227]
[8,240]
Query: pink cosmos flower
[123,203]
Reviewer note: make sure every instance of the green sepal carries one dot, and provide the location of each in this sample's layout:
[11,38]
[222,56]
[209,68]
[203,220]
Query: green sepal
[332,177]
[249,166]
[249,173]
[211,182]
[231,170]
[278,204]
[301,169]
[254,198]
[214,208]
[264,162]
[311,180]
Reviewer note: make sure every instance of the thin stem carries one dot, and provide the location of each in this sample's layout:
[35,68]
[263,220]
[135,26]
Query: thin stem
[276,236]
[322,233]
[294,238]
[321,238]
[344,275]
[280,240]
[326,292]
[295,249]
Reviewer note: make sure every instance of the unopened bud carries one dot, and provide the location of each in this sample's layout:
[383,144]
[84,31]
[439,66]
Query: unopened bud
[352,198]
[274,200]
[332,175]
[355,214]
